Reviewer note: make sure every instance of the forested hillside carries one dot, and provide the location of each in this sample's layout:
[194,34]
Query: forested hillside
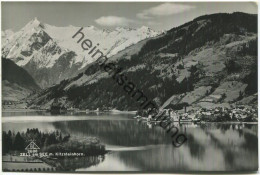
[210,60]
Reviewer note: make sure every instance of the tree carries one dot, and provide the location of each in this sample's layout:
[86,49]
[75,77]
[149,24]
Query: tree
[7,142]
[51,139]
[19,142]
[232,66]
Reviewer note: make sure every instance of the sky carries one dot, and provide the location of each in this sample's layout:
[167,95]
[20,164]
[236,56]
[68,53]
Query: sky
[156,15]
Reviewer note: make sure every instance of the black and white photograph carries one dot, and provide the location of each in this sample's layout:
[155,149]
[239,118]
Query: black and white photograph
[129,87]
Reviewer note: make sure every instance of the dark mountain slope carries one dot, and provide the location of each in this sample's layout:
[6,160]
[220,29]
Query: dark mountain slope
[15,74]
[205,62]
[17,82]
[196,33]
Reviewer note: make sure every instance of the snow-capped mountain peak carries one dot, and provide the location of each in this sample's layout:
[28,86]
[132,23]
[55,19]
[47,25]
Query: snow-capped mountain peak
[92,28]
[6,34]
[144,28]
[124,28]
[40,46]
[35,23]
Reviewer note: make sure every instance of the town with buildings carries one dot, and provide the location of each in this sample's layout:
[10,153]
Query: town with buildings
[239,113]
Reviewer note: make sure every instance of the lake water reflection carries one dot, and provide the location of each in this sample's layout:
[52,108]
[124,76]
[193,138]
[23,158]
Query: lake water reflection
[136,146]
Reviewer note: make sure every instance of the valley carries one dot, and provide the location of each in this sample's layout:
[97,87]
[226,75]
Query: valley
[149,87]
[211,70]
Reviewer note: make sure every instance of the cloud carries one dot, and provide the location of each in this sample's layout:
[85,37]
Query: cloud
[113,21]
[165,9]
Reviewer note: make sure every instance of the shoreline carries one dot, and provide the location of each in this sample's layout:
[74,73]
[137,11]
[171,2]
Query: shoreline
[22,110]
[90,111]
[119,112]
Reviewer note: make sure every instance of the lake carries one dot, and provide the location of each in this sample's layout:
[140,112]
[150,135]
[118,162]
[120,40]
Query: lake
[136,146]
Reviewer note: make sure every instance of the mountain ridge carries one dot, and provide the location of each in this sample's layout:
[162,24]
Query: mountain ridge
[206,62]
[37,47]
